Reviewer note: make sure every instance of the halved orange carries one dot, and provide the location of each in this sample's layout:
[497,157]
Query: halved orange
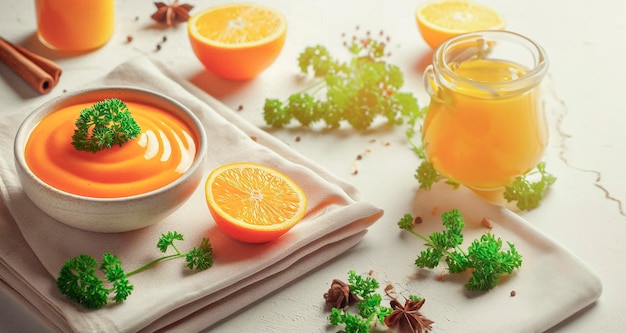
[254,203]
[440,20]
[237,41]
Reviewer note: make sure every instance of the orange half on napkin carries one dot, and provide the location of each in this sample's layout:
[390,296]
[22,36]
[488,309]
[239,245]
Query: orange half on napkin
[41,73]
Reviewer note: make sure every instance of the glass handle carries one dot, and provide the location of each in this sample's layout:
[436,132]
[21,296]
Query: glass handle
[429,81]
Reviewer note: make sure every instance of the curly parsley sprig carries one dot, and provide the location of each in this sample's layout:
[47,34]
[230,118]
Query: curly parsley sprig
[427,176]
[357,91]
[79,281]
[369,305]
[104,124]
[362,291]
[526,193]
[484,256]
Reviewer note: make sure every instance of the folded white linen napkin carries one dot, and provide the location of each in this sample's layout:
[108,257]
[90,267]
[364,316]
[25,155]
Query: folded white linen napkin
[33,246]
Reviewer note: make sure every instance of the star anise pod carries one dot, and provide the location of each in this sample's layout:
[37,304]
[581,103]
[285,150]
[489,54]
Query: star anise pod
[407,318]
[339,295]
[172,13]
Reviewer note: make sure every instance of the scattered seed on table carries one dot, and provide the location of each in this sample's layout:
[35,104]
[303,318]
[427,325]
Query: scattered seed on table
[390,290]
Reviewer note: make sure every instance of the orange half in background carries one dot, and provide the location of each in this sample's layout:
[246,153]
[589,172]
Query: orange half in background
[254,203]
[443,19]
[237,41]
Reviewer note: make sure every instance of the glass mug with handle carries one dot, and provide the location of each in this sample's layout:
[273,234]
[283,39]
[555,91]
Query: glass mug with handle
[485,124]
[75,25]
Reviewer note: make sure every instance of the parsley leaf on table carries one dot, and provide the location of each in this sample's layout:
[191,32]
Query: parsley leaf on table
[371,312]
[369,305]
[78,279]
[484,257]
[528,194]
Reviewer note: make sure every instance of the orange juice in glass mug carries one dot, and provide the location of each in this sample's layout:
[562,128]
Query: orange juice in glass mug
[485,124]
[75,25]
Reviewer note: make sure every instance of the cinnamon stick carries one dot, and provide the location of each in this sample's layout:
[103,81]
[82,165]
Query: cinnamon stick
[41,73]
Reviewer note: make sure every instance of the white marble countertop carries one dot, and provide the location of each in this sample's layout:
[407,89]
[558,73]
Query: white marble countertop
[584,212]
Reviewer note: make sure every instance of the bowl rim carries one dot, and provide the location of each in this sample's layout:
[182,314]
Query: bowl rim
[50,106]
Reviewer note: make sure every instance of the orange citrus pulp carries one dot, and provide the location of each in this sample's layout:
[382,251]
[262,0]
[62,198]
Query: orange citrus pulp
[443,19]
[253,203]
[237,41]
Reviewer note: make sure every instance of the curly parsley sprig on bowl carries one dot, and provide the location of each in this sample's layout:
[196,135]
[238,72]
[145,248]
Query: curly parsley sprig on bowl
[104,124]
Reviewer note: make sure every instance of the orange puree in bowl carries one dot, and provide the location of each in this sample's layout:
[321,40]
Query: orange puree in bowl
[163,151]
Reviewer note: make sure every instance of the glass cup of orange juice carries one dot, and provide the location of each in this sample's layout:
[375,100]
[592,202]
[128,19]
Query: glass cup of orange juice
[75,25]
[485,124]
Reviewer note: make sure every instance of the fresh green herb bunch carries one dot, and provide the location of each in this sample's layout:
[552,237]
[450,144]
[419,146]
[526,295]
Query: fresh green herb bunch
[362,291]
[356,91]
[79,281]
[484,256]
[369,306]
[104,124]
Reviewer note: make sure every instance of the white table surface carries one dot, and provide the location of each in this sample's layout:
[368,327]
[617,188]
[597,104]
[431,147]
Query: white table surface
[584,212]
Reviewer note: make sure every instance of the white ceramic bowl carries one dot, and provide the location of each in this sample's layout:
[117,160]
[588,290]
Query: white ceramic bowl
[110,214]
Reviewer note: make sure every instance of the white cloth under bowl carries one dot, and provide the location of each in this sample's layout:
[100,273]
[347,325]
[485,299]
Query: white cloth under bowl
[33,246]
